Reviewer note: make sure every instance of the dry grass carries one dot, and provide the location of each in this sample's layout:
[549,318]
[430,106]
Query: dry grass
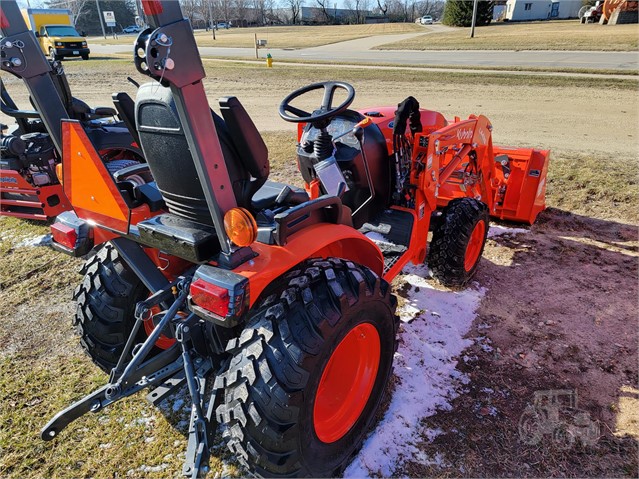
[311,73]
[285,37]
[594,186]
[555,35]
[42,371]
[422,67]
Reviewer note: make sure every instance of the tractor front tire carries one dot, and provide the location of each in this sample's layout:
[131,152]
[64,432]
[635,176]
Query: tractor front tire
[458,242]
[105,308]
[306,377]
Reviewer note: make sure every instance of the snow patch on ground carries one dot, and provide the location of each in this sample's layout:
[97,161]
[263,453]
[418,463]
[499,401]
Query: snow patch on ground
[498,230]
[375,237]
[434,324]
[158,468]
[43,240]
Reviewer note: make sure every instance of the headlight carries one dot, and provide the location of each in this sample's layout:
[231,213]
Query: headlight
[84,44]
[58,44]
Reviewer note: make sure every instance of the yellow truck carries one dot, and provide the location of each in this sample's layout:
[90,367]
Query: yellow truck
[56,33]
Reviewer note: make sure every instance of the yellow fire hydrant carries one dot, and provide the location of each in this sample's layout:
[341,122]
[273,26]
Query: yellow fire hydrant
[269,60]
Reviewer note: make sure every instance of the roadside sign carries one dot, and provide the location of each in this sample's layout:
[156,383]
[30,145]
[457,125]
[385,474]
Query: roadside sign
[109,19]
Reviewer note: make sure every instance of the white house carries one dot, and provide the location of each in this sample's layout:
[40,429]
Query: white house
[565,8]
[522,10]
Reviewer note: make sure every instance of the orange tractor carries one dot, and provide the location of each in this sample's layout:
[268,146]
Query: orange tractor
[30,153]
[271,303]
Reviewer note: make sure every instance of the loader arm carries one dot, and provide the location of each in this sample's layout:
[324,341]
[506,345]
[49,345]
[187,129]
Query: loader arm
[466,147]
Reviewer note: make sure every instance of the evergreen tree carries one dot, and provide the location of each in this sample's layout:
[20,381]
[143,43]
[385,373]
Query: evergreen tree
[459,13]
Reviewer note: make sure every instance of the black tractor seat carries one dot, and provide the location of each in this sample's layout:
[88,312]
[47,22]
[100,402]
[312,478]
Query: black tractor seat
[187,230]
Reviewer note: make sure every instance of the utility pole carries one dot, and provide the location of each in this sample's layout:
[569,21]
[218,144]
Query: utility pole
[472,25]
[97,5]
[210,2]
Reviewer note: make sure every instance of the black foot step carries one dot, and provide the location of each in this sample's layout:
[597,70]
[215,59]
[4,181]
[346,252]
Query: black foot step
[390,231]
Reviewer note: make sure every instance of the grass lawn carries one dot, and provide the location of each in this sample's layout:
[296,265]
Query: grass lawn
[286,37]
[555,35]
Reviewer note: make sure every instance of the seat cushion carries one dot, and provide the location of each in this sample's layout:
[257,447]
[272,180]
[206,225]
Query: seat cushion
[267,194]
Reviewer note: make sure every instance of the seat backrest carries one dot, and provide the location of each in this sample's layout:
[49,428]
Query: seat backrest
[125,106]
[246,138]
[166,150]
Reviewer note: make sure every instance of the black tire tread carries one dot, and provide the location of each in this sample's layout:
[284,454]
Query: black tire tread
[448,246]
[105,304]
[265,378]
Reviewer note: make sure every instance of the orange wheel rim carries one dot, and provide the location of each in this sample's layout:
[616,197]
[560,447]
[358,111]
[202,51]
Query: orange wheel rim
[474,245]
[163,342]
[347,383]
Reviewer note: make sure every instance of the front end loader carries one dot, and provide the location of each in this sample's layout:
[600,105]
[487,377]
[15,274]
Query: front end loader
[270,303]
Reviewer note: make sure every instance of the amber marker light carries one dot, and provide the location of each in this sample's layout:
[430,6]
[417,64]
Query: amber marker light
[58,172]
[240,226]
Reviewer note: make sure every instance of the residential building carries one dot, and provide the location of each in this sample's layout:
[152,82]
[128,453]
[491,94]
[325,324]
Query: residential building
[526,10]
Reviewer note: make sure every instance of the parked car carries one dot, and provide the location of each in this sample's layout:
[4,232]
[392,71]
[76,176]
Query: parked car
[131,29]
[222,25]
[426,20]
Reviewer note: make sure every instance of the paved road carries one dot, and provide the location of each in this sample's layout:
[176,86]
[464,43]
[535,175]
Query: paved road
[359,51]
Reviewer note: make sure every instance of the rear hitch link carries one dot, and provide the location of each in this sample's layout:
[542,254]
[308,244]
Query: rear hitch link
[164,373]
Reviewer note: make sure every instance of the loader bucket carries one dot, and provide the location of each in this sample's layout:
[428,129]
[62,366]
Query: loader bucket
[525,195]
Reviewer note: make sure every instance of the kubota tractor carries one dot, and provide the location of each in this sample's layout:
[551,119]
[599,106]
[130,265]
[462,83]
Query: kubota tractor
[29,186]
[271,303]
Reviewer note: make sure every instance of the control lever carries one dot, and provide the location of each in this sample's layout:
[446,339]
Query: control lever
[358,132]
[133,82]
[281,198]
[291,197]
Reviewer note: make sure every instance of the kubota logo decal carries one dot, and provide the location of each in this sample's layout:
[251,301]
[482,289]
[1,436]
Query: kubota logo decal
[482,135]
[4,179]
[463,134]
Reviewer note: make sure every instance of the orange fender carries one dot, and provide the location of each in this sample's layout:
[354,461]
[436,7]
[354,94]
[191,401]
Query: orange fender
[317,241]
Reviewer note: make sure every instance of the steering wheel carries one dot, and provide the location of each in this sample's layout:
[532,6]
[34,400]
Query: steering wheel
[295,115]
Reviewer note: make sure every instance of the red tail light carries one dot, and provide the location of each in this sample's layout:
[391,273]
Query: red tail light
[4,23]
[152,7]
[210,297]
[65,235]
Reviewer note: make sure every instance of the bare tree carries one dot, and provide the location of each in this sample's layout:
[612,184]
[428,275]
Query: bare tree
[241,9]
[382,7]
[77,7]
[355,6]
[259,11]
[295,6]
[324,5]
[224,10]
[434,8]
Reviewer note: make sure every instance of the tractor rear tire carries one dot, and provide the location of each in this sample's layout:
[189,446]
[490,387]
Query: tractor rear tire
[105,309]
[458,242]
[306,377]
